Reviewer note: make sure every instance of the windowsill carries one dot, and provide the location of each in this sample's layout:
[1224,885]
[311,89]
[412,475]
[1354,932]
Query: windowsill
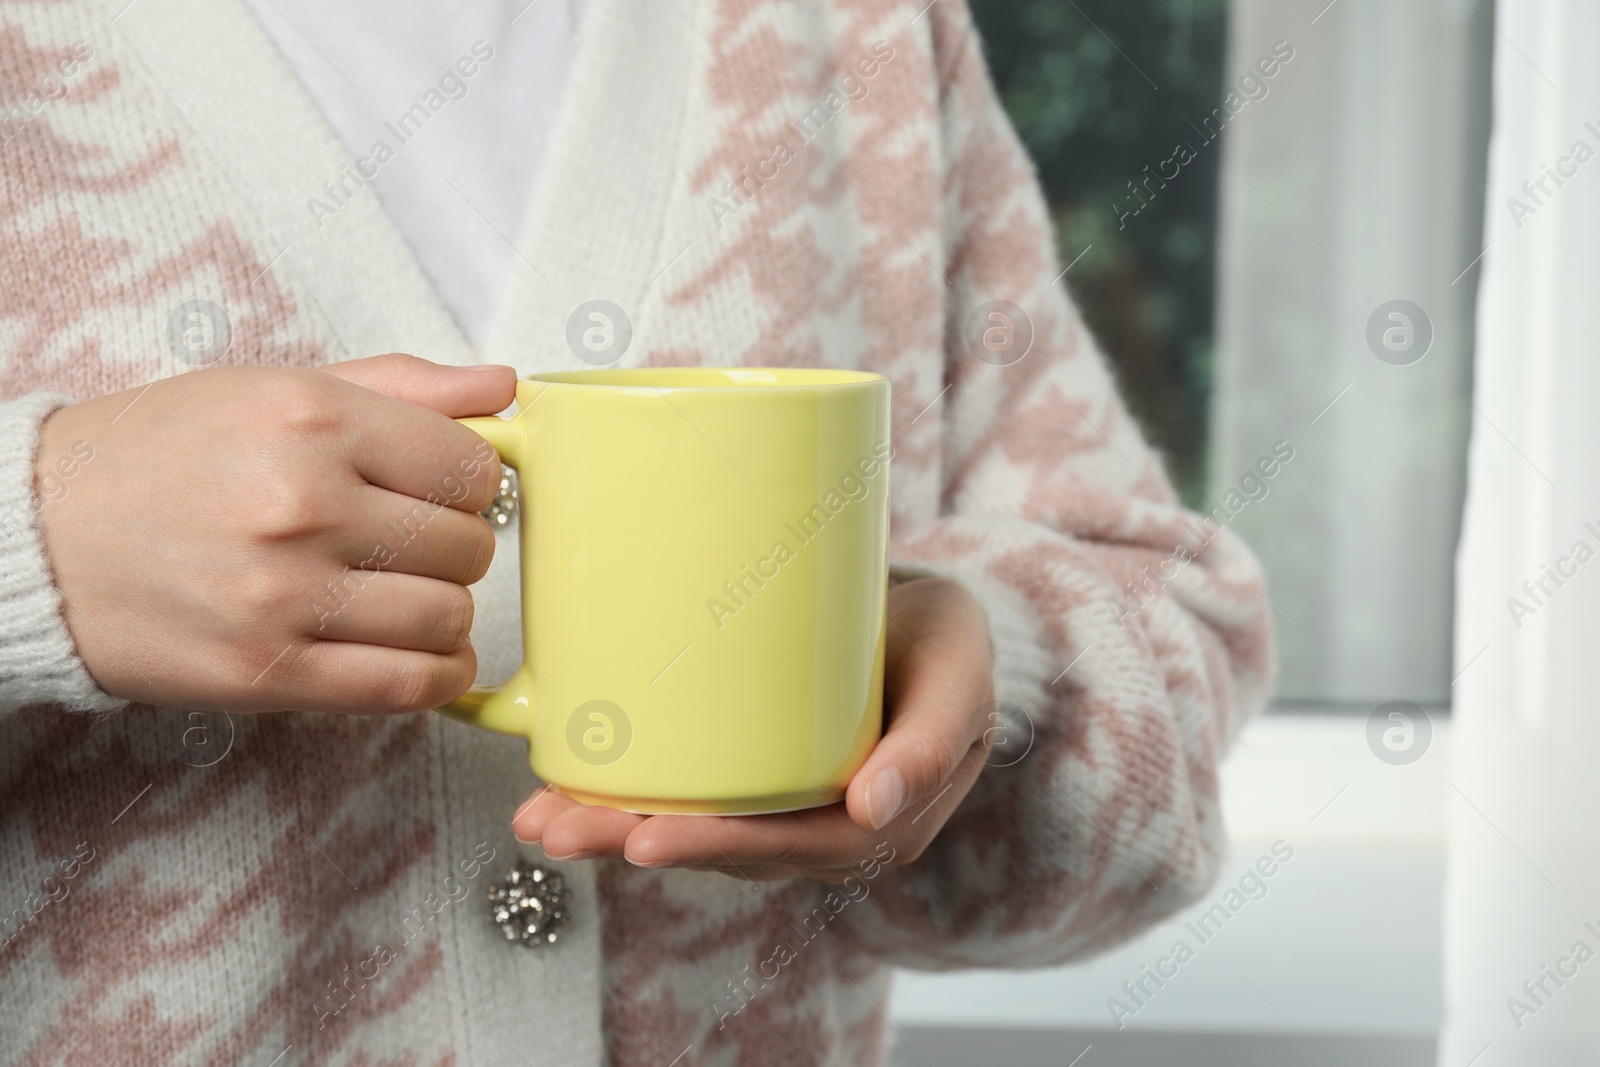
[1346,939]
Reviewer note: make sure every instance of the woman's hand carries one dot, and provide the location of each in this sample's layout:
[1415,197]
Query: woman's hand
[938,694]
[265,538]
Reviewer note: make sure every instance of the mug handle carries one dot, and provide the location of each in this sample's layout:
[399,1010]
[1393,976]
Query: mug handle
[506,708]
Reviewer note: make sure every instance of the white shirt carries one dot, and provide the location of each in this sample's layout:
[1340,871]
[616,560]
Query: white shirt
[461,98]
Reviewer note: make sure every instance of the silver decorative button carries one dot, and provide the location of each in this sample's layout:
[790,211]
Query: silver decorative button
[504,507]
[529,904]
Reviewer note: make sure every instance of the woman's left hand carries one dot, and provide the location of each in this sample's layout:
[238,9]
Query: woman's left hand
[938,697]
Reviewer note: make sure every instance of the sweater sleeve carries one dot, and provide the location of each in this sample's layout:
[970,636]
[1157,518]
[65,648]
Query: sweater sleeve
[1131,638]
[38,662]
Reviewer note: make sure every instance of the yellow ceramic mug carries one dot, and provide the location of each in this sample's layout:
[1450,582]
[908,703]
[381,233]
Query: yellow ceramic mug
[704,576]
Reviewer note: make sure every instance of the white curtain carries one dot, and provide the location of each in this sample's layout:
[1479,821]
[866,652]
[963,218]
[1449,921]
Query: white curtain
[1522,909]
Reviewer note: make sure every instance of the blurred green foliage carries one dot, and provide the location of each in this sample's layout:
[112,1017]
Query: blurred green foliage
[1100,90]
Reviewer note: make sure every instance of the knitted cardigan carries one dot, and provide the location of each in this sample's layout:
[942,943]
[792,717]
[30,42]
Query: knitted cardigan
[810,182]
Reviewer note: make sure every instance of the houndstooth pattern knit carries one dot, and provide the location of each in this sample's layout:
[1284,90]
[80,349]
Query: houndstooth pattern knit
[729,173]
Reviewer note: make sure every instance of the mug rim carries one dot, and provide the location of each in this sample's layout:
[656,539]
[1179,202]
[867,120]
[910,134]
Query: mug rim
[704,378]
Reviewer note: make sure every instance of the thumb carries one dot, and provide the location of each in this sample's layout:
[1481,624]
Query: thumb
[938,682]
[932,730]
[453,391]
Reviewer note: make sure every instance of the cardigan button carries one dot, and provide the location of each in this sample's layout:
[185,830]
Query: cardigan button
[529,904]
[504,507]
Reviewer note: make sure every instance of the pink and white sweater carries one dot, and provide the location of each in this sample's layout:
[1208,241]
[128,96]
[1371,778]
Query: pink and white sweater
[761,182]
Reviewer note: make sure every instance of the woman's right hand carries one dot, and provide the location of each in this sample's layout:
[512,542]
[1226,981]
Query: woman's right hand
[270,538]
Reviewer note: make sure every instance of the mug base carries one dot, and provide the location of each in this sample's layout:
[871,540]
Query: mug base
[771,804]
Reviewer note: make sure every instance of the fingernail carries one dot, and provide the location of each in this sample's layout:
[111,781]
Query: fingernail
[579,855]
[527,806]
[646,863]
[885,794]
[491,366]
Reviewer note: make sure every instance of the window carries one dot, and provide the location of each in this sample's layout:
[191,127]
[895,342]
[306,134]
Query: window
[1246,192]
[1273,211]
